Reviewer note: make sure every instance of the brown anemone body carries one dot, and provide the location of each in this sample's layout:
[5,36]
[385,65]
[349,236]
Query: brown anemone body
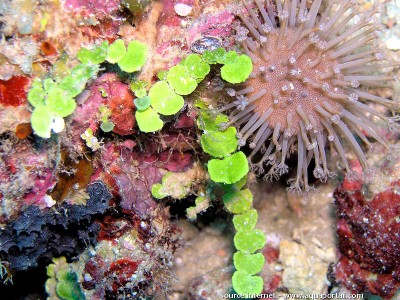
[292,86]
[309,86]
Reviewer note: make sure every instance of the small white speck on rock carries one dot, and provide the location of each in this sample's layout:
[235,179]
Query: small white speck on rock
[87,277]
[182,9]
[393,43]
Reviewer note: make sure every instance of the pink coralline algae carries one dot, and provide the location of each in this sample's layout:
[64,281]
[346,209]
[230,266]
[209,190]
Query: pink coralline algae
[117,274]
[120,101]
[25,179]
[186,120]
[140,264]
[108,91]
[168,16]
[175,161]
[369,241]
[131,167]
[216,25]
[179,34]
[103,7]
[98,19]
[132,172]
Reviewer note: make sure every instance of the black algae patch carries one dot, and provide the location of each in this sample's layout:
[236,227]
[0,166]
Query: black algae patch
[37,236]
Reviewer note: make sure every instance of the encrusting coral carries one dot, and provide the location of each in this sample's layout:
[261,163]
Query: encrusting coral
[305,91]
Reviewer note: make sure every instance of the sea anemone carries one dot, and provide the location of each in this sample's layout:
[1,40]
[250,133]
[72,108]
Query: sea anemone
[305,90]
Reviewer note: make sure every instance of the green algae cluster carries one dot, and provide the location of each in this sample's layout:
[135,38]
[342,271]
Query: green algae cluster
[62,282]
[225,166]
[162,100]
[229,168]
[53,99]
[130,59]
[247,240]
[106,125]
[165,97]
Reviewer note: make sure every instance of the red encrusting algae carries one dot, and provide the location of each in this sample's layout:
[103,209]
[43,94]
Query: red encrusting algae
[369,241]
[14,90]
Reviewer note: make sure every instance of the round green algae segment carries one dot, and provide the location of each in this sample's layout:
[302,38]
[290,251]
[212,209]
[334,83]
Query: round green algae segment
[75,83]
[245,221]
[157,191]
[180,80]
[238,201]
[116,51]
[36,93]
[60,103]
[249,241]
[140,93]
[94,56]
[238,70]
[69,288]
[135,57]
[219,143]
[148,120]
[142,103]
[41,120]
[107,126]
[247,284]
[164,100]
[230,169]
[251,264]
[196,67]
